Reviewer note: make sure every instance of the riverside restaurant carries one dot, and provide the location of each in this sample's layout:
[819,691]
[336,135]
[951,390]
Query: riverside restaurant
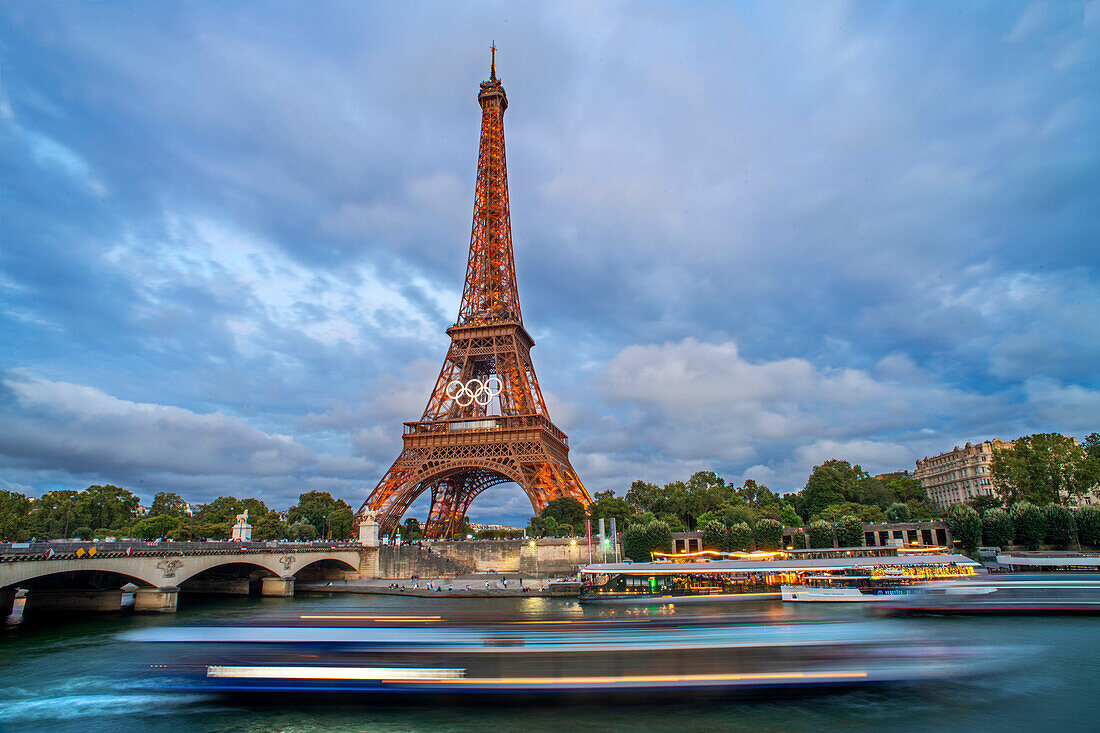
[713,577]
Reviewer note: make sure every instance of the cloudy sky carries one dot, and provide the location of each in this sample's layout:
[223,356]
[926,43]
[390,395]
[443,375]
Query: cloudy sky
[748,238]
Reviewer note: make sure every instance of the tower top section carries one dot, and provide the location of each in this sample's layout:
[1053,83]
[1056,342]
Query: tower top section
[490,295]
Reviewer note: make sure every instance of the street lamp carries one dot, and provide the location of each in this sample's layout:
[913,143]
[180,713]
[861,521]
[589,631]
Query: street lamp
[191,528]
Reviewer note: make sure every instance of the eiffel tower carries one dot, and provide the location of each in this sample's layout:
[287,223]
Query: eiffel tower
[486,422]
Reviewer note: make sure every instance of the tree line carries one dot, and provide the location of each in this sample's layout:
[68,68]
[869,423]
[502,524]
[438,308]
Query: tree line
[102,511]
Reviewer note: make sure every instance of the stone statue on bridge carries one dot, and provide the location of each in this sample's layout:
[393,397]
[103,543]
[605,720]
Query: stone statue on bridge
[242,530]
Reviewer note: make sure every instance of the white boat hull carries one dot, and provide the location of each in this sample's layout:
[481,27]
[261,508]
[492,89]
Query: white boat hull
[807,594]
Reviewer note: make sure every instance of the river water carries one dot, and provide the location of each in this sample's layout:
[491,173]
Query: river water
[62,677]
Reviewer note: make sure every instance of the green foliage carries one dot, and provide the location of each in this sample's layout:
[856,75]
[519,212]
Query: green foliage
[821,534]
[798,541]
[168,502]
[1044,468]
[833,482]
[639,540]
[1060,527]
[966,525]
[84,533]
[1028,522]
[1088,522]
[302,531]
[607,505]
[410,529]
[789,517]
[834,512]
[769,534]
[897,512]
[983,502]
[223,510]
[740,537]
[324,512]
[15,520]
[154,526]
[997,529]
[270,527]
[849,531]
[715,535]
[564,510]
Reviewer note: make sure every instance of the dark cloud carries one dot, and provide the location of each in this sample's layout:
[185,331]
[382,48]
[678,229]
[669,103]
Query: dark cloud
[746,238]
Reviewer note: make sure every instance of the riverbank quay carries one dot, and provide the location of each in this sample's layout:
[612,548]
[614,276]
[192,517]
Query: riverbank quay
[473,586]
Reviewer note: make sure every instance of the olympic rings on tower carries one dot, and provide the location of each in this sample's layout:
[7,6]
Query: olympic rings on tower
[474,391]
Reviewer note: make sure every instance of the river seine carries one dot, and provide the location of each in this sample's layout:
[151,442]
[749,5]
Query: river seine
[63,677]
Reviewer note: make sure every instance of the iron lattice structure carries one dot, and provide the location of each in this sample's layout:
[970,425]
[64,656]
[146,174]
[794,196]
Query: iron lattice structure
[474,435]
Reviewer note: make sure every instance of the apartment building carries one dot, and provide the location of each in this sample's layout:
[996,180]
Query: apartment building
[959,475]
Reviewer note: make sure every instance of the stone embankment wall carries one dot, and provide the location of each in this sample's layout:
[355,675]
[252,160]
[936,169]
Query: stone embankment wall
[551,557]
[409,560]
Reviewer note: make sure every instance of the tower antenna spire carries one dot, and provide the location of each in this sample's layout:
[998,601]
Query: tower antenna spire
[493,67]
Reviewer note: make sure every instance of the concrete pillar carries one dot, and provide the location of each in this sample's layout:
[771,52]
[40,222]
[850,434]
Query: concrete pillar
[278,587]
[218,586]
[18,602]
[156,600]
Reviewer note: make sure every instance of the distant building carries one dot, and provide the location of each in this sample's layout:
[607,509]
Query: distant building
[142,511]
[960,474]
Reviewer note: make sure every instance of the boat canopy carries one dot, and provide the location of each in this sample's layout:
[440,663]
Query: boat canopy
[777,566]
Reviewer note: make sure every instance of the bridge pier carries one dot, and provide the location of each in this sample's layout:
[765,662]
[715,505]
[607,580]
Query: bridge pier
[156,600]
[12,602]
[278,587]
[218,586]
[63,601]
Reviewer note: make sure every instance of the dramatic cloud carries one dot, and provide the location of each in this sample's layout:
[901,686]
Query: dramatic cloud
[747,238]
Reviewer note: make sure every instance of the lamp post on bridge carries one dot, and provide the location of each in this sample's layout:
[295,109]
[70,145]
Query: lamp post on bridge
[191,528]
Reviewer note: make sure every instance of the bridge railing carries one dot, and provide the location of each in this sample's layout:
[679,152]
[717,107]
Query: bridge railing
[32,550]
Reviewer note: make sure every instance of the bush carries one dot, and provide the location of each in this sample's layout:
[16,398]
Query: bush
[897,512]
[1088,525]
[740,537]
[769,534]
[634,543]
[659,536]
[821,534]
[84,533]
[966,525]
[1060,527]
[1028,521]
[715,535]
[849,531]
[997,529]
[798,540]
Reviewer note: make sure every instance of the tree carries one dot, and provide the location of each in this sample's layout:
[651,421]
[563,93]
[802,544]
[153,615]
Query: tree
[821,534]
[834,512]
[640,540]
[659,536]
[769,534]
[997,529]
[1028,522]
[705,491]
[256,509]
[715,535]
[154,526]
[1088,523]
[564,510]
[788,517]
[318,508]
[897,512]
[1043,468]
[966,525]
[740,537]
[983,502]
[643,496]
[270,527]
[411,529]
[607,506]
[833,482]
[798,541]
[904,487]
[849,531]
[1060,527]
[105,506]
[302,531]
[223,510]
[15,512]
[168,502]
[341,522]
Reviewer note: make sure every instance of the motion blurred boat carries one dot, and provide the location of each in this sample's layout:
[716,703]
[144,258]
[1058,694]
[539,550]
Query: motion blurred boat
[431,659]
[1046,593]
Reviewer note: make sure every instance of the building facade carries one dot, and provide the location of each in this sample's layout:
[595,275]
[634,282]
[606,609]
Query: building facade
[960,474]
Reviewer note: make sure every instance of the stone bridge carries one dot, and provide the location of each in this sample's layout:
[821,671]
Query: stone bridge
[87,576]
